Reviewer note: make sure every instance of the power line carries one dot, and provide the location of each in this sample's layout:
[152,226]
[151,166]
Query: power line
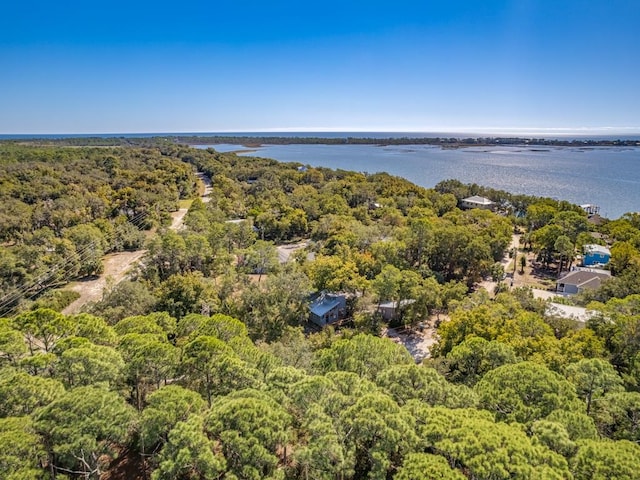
[64,267]
[136,220]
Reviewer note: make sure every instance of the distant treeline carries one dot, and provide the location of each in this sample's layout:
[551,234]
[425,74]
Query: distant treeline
[445,142]
[451,142]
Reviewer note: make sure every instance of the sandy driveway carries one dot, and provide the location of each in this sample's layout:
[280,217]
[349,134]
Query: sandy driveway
[116,267]
[506,262]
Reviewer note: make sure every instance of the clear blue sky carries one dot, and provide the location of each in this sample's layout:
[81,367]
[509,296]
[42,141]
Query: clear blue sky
[475,65]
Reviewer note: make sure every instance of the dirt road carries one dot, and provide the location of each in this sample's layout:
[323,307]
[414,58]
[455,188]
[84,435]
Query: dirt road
[118,265]
[507,264]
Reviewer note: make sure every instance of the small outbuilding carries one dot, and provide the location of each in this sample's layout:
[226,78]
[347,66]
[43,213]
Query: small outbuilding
[391,310]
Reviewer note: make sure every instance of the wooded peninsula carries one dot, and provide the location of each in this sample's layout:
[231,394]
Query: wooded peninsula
[257,141]
[215,357]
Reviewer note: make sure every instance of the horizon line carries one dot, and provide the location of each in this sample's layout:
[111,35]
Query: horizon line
[559,131]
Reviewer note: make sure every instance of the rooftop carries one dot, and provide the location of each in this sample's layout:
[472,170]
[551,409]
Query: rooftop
[579,314]
[392,304]
[324,304]
[585,278]
[478,200]
[593,248]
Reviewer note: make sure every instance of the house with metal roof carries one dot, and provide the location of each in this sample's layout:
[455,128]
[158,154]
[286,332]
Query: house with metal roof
[327,308]
[391,310]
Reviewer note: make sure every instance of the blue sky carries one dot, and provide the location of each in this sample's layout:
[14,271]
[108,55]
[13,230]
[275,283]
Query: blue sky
[530,66]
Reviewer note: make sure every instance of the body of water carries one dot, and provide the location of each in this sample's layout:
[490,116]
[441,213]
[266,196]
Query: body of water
[605,176]
[608,176]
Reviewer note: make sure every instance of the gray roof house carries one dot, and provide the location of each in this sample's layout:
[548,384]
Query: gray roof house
[327,308]
[477,202]
[577,280]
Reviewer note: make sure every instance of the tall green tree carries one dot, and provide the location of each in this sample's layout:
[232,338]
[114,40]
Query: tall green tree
[525,392]
[165,408]
[363,354]
[43,328]
[212,368]
[253,431]
[21,393]
[593,377]
[617,415]
[89,364]
[468,361]
[473,442]
[425,466]
[379,434]
[189,453]
[565,249]
[407,382]
[22,450]
[606,459]
[83,428]
[150,361]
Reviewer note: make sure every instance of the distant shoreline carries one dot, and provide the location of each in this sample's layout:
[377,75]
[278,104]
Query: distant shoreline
[251,142]
[449,143]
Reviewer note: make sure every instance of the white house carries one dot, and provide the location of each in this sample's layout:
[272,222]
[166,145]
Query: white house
[477,202]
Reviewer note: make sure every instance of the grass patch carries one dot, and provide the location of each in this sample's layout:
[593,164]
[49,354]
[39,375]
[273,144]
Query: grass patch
[56,299]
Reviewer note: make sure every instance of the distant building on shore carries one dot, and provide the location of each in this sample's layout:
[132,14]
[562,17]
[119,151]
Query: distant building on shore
[477,202]
[590,209]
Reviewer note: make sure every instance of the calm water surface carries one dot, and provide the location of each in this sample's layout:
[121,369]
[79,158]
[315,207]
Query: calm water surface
[608,177]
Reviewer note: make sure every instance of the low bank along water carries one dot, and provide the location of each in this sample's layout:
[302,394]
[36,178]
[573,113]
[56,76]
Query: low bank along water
[606,176]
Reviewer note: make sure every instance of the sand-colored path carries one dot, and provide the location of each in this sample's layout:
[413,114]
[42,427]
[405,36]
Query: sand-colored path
[118,265]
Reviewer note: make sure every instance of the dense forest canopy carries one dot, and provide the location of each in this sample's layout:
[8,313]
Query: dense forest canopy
[202,363]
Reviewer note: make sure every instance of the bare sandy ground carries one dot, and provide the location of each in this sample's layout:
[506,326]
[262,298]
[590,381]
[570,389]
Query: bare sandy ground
[118,265]
[417,341]
[177,218]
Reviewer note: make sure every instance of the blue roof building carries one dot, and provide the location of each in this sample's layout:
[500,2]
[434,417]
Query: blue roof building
[327,308]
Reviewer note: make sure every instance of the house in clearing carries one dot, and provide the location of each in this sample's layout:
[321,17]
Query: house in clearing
[477,202]
[327,308]
[581,278]
[596,255]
